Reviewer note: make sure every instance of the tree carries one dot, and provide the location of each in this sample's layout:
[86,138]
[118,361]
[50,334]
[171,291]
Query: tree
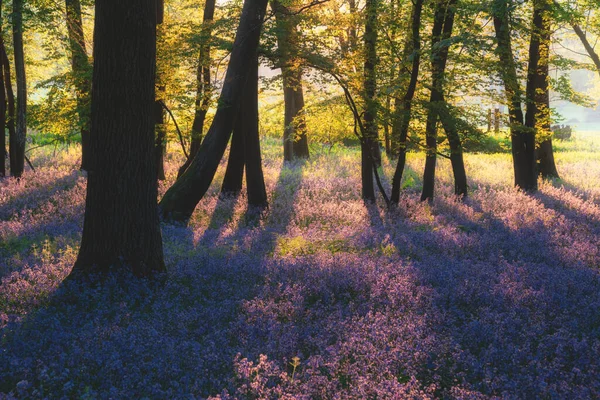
[121,226]
[403,107]
[17,146]
[204,86]
[443,22]
[295,141]
[80,67]
[245,147]
[181,199]
[370,155]
[537,117]
[521,141]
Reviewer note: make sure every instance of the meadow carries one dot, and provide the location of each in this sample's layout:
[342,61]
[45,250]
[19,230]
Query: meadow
[319,297]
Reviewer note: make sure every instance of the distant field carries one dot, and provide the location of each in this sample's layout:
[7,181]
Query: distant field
[494,297]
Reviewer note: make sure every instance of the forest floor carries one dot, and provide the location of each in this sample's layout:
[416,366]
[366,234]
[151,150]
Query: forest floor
[319,297]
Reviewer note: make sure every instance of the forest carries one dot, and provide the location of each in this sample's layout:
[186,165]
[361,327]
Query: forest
[299,199]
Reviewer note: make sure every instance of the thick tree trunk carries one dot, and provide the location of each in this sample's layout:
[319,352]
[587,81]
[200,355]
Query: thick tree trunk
[121,226]
[371,155]
[456,153]
[442,29]
[17,150]
[402,112]
[295,141]
[204,86]
[180,200]
[80,67]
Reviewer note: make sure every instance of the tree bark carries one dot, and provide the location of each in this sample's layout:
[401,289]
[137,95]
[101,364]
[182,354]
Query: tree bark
[255,181]
[10,99]
[538,112]
[402,112]
[588,47]
[17,150]
[180,200]
[3,103]
[80,67]
[234,174]
[295,141]
[544,152]
[204,86]
[245,147]
[442,29]
[370,153]
[121,226]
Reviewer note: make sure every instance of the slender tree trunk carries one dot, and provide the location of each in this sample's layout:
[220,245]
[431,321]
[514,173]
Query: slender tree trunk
[255,181]
[80,67]
[121,226]
[180,200]
[403,109]
[541,102]
[370,155]
[160,135]
[234,174]
[513,92]
[17,151]
[245,147]
[10,99]
[442,29]
[204,88]
[3,103]
[456,153]
[295,141]
[588,47]
[538,112]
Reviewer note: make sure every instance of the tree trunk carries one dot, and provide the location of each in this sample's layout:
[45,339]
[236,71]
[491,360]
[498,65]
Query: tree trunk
[180,200]
[80,67]
[204,88]
[538,113]
[514,95]
[160,135]
[255,181]
[544,153]
[442,29]
[295,141]
[370,153]
[402,112]
[3,103]
[234,174]
[10,99]
[121,226]
[17,150]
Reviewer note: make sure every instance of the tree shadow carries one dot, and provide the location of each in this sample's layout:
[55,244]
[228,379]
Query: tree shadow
[509,302]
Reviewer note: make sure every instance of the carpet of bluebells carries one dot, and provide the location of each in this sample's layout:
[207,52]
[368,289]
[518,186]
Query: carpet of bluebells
[319,297]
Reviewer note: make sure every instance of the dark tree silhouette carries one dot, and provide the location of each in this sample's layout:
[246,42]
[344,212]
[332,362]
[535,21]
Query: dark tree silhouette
[121,226]
[17,146]
[402,112]
[179,201]
[370,154]
[245,147]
